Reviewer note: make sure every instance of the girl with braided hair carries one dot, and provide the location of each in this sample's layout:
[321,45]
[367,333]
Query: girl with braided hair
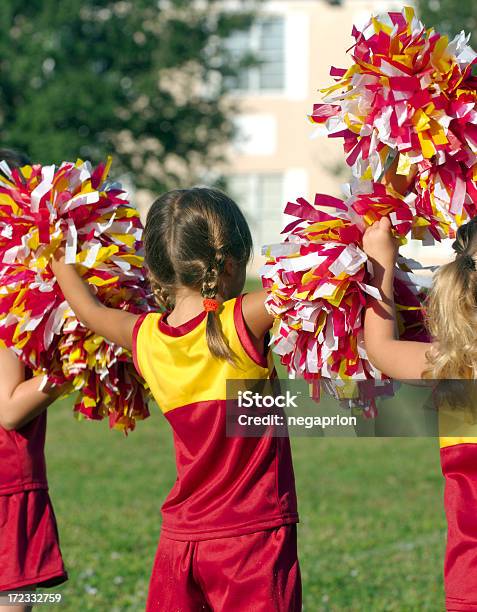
[228,539]
[452,323]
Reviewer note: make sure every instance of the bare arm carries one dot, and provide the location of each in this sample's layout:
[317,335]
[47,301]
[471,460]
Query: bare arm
[257,319]
[20,400]
[398,359]
[113,324]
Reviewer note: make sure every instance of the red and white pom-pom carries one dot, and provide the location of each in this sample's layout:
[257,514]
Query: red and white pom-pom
[318,282]
[40,208]
[409,92]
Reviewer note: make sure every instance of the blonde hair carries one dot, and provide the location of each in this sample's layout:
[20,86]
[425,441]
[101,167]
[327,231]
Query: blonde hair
[451,311]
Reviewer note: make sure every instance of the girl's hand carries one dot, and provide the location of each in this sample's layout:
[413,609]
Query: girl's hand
[58,260]
[379,243]
[115,325]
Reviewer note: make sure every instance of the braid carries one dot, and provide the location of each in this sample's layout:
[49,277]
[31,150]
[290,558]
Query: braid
[219,261]
[210,286]
[157,239]
[161,294]
[216,340]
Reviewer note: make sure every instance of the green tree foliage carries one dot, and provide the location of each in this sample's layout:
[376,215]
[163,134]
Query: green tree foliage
[144,80]
[450,16]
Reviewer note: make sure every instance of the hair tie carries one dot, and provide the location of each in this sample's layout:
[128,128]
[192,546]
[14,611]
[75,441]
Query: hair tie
[468,263]
[210,305]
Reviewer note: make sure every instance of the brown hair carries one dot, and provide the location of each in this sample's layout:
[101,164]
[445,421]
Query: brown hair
[452,311]
[15,159]
[189,234]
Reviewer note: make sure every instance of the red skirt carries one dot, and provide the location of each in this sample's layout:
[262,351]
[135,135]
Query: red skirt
[29,545]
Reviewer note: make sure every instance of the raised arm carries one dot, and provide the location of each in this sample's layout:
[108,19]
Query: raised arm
[113,324]
[256,317]
[400,359]
[20,400]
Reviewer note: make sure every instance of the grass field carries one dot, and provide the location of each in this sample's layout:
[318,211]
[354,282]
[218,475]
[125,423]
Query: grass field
[371,535]
[372,530]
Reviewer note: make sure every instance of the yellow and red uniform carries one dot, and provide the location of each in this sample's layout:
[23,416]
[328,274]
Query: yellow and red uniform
[227,488]
[30,552]
[459,467]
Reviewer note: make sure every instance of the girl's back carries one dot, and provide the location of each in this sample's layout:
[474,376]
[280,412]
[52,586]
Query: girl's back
[229,536]
[225,486]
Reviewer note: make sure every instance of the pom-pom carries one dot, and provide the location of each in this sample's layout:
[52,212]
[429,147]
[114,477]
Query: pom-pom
[40,209]
[406,106]
[409,92]
[318,281]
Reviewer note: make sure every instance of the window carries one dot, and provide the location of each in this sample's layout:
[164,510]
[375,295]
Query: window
[271,53]
[266,42]
[260,196]
[239,46]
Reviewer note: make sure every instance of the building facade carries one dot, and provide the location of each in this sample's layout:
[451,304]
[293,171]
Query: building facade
[277,155]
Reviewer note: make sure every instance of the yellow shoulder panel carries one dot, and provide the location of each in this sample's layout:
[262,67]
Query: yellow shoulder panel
[458,422]
[180,370]
[445,442]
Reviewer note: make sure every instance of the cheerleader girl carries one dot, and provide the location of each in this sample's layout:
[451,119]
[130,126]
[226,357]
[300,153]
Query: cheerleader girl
[228,538]
[30,554]
[452,355]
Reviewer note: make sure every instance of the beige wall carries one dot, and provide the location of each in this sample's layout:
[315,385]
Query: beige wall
[317,37]
[327,32]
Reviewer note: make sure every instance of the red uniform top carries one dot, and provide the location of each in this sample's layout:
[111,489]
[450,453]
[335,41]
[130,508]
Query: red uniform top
[22,457]
[226,486]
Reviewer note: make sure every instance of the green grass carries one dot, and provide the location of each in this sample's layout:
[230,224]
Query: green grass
[371,535]
[372,527]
